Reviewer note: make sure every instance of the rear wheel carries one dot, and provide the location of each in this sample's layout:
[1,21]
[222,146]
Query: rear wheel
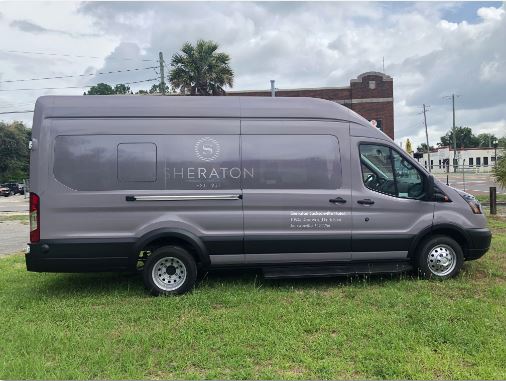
[440,257]
[170,270]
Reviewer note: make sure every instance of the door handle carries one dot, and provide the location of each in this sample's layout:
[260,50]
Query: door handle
[366,201]
[337,200]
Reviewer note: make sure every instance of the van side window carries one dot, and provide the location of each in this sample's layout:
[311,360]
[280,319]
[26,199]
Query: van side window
[136,162]
[291,162]
[144,162]
[386,171]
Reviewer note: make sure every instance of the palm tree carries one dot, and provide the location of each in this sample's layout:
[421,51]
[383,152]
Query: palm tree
[201,70]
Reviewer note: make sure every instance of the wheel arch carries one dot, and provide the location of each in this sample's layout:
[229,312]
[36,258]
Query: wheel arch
[453,231]
[166,235]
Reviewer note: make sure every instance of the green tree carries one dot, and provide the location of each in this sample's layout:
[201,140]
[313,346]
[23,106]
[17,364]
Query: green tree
[500,171]
[464,136]
[156,89]
[201,70]
[105,89]
[14,152]
[485,140]
[121,89]
[101,89]
[423,148]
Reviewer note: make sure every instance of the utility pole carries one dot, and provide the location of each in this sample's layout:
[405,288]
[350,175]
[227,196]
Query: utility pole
[426,136]
[454,132]
[162,76]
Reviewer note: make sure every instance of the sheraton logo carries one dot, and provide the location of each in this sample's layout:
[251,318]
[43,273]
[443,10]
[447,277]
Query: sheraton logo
[207,149]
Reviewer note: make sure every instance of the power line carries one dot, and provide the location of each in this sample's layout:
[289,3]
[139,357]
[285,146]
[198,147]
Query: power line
[78,56]
[78,87]
[78,75]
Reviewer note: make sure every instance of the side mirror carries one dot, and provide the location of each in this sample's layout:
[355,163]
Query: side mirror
[429,192]
[439,197]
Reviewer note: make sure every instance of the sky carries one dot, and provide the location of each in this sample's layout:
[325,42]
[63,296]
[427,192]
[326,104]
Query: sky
[431,49]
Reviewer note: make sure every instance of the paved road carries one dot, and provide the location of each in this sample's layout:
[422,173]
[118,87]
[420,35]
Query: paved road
[16,203]
[475,183]
[13,234]
[13,237]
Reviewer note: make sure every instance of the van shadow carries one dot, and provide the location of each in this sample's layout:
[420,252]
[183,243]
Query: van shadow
[88,284]
[255,278]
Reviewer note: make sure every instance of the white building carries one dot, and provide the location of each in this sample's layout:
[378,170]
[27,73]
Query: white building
[469,159]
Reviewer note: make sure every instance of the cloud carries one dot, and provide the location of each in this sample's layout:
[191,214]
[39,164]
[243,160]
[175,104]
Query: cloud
[31,27]
[28,26]
[430,49]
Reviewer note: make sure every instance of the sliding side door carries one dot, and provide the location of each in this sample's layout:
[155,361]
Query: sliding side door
[296,191]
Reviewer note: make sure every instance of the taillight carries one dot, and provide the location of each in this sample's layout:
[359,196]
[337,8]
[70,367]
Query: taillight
[34,218]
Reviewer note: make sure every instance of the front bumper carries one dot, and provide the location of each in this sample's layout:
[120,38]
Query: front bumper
[478,243]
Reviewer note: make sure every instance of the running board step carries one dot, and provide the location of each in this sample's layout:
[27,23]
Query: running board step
[311,271]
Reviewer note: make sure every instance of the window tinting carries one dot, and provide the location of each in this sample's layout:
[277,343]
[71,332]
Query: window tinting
[176,162]
[136,162]
[291,162]
[386,171]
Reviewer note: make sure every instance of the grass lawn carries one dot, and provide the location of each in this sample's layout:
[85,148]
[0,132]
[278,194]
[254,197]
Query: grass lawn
[23,218]
[486,197]
[63,326]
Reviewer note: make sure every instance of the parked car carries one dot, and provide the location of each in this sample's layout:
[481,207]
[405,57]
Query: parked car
[5,191]
[297,187]
[15,188]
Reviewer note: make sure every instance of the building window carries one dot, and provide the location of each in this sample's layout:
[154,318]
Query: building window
[439,164]
[372,85]
[471,161]
[425,164]
[478,161]
[485,161]
[432,164]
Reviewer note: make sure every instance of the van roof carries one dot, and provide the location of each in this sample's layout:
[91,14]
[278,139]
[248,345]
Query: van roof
[179,106]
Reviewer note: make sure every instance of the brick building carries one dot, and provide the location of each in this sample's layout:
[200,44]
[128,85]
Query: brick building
[370,95]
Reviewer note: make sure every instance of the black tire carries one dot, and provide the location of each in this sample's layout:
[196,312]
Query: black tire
[439,257]
[176,271]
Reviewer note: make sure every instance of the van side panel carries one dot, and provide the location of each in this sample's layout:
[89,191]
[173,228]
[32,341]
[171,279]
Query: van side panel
[94,167]
[300,167]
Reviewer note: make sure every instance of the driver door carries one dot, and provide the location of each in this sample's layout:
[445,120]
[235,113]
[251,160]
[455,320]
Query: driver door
[388,210]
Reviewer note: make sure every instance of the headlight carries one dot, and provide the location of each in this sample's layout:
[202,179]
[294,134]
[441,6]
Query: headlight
[474,204]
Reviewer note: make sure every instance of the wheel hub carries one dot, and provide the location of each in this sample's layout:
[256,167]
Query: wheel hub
[441,260]
[169,273]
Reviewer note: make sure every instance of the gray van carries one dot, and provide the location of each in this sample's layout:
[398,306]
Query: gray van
[173,186]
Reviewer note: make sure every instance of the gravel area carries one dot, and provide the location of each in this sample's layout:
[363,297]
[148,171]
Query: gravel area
[13,237]
[16,203]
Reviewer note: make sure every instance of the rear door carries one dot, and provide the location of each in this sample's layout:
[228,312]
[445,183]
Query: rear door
[296,191]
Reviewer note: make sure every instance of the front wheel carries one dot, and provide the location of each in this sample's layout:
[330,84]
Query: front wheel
[170,270]
[440,257]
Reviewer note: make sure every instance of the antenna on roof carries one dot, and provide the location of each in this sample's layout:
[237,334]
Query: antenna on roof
[273,88]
